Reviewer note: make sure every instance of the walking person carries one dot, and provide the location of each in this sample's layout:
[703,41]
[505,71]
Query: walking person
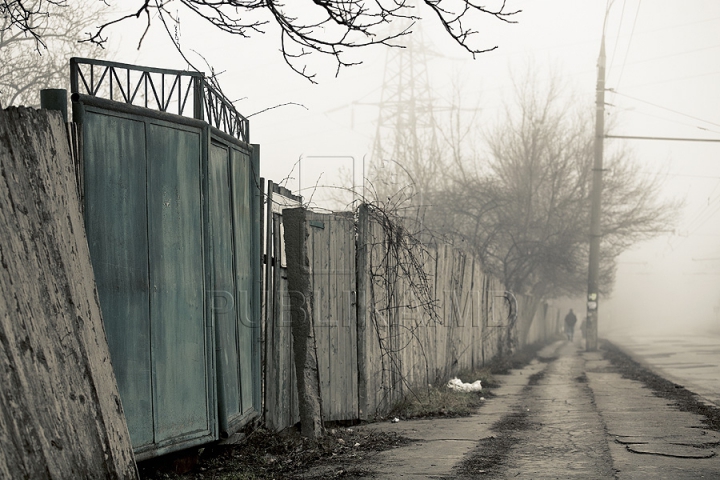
[570,321]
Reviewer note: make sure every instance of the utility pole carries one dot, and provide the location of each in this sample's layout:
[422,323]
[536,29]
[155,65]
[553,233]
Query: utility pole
[591,336]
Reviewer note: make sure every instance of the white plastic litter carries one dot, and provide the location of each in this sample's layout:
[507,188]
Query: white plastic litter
[457,384]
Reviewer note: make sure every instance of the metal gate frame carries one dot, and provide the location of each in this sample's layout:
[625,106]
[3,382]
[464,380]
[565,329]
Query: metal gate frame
[131,85]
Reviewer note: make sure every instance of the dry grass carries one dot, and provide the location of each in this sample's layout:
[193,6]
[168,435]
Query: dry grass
[438,402]
[485,375]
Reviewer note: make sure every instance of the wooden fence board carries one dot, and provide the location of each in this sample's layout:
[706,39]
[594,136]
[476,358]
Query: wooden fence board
[288,395]
[392,345]
[281,396]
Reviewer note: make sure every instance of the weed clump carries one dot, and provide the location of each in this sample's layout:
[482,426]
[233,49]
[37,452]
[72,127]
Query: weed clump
[438,402]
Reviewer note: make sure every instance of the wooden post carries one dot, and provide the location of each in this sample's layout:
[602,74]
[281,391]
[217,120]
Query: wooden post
[268,318]
[301,302]
[361,305]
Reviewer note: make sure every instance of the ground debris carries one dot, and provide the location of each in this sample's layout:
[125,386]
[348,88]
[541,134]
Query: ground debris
[340,453]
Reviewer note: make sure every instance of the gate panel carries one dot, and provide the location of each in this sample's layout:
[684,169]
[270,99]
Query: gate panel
[116,225]
[223,290]
[243,223]
[175,234]
[144,218]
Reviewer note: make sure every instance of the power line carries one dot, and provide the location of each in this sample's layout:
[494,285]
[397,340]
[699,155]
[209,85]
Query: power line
[671,139]
[689,77]
[697,222]
[703,212]
[632,110]
[681,25]
[632,32]
[665,108]
[677,54]
[706,218]
[705,215]
[617,37]
[668,174]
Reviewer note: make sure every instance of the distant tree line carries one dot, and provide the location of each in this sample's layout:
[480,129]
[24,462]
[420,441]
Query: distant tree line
[522,203]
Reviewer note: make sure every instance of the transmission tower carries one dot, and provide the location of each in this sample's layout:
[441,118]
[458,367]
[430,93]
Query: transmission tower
[405,148]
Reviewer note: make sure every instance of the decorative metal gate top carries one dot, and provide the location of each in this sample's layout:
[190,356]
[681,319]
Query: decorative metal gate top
[173,91]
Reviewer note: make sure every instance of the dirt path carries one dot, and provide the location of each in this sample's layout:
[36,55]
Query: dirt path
[555,428]
[440,444]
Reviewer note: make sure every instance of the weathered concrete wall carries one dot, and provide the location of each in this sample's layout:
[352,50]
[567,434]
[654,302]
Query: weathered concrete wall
[60,411]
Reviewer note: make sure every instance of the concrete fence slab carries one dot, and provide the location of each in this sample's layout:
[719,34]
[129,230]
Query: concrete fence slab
[60,411]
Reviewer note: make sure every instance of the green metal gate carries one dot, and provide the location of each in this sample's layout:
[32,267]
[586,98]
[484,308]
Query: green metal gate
[172,211]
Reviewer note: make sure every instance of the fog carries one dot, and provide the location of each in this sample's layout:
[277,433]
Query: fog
[663,68]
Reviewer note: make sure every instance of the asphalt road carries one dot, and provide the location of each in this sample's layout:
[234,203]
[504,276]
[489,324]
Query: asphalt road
[691,360]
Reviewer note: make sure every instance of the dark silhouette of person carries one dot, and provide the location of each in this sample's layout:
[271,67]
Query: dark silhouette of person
[570,321]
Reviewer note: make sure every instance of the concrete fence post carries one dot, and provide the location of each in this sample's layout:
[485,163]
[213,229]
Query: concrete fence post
[301,304]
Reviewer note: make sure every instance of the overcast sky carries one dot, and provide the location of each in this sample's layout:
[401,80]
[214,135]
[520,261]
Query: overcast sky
[663,66]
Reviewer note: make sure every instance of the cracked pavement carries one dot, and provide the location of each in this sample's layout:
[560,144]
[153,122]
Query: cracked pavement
[570,415]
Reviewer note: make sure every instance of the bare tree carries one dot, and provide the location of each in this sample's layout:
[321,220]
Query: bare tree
[37,39]
[27,16]
[525,213]
[330,28]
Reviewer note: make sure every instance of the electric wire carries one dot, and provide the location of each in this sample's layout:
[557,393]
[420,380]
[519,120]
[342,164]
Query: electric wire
[687,175]
[665,108]
[632,111]
[676,79]
[617,39]
[632,32]
[700,219]
[677,54]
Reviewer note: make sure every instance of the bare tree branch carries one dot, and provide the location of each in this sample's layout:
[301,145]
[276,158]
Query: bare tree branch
[28,17]
[276,106]
[37,37]
[328,28]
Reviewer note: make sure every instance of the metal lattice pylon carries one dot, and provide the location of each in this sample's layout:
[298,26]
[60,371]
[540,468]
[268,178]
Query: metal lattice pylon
[405,146]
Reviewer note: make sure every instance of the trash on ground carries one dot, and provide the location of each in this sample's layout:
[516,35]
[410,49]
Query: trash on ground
[459,385]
